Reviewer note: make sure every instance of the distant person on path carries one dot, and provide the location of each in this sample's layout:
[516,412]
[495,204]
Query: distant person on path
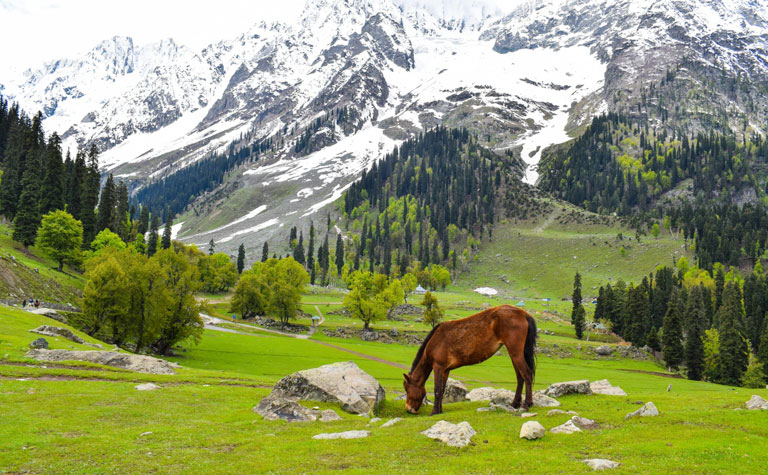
[31,302]
[24,303]
[37,303]
[234,317]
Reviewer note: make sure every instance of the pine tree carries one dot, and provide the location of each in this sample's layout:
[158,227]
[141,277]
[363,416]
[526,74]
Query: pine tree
[576,297]
[311,253]
[27,218]
[153,237]
[652,340]
[13,169]
[579,318]
[733,346]
[265,252]
[298,251]
[167,232]
[672,336]
[143,226]
[339,253]
[638,308]
[122,208]
[52,191]
[694,329]
[211,246]
[106,214]
[89,198]
[240,258]
[762,352]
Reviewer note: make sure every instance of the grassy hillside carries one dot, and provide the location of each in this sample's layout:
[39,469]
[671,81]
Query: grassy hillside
[85,418]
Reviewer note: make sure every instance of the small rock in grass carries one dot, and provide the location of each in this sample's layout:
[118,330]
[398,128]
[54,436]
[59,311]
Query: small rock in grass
[329,415]
[542,400]
[453,435]
[532,430]
[528,414]
[568,428]
[569,387]
[147,387]
[756,402]
[350,434]
[604,350]
[40,343]
[391,422]
[555,412]
[648,410]
[572,413]
[583,423]
[455,391]
[374,420]
[144,433]
[601,464]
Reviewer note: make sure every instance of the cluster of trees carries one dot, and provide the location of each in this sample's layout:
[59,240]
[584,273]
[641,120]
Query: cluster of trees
[620,166]
[140,302]
[37,180]
[309,140]
[715,327]
[271,287]
[425,198]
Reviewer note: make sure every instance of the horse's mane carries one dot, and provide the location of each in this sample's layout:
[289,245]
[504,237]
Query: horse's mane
[420,353]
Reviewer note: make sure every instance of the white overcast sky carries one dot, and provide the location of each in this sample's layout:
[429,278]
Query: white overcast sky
[34,31]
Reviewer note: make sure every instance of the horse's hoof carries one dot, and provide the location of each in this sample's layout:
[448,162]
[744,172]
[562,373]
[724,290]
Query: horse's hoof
[515,405]
[435,413]
[524,408]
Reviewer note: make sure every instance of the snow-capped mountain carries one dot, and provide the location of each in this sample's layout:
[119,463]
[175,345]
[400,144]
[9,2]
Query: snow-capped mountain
[520,79]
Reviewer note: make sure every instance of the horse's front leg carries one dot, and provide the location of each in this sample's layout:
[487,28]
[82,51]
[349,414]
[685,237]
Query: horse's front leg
[441,377]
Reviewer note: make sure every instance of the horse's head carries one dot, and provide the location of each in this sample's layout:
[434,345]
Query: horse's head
[414,394]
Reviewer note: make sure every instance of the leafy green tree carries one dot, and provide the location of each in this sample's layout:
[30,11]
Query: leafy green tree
[409,285]
[433,314]
[439,277]
[105,299]
[288,283]
[364,300]
[217,272]
[672,336]
[60,237]
[655,231]
[252,293]
[711,342]
[240,258]
[754,376]
[106,239]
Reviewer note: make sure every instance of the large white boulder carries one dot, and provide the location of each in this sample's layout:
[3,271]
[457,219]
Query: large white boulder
[532,430]
[756,402]
[342,383]
[454,435]
[455,391]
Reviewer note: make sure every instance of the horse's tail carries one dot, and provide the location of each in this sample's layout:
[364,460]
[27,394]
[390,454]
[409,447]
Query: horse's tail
[530,346]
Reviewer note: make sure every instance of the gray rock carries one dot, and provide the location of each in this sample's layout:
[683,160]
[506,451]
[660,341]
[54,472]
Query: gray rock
[648,410]
[482,394]
[604,350]
[583,423]
[40,343]
[526,415]
[756,402]
[343,383]
[604,387]
[601,464]
[391,422]
[138,363]
[567,428]
[329,415]
[49,330]
[147,387]
[542,400]
[288,409]
[568,387]
[454,435]
[555,412]
[50,313]
[532,430]
[374,420]
[350,434]
[455,391]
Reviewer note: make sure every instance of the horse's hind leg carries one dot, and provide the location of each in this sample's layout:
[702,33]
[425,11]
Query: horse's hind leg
[519,390]
[523,375]
[441,378]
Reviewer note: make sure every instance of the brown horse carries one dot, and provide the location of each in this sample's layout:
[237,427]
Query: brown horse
[469,341]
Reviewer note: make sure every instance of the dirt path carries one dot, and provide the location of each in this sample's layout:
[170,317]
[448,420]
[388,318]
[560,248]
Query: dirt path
[653,373]
[212,322]
[545,224]
[91,378]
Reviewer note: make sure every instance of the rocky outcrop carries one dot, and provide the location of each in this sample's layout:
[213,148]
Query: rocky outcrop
[532,430]
[453,435]
[49,330]
[567,428]
[344,383]
[583,423]
[542,400]
[50,313]
[604,387]
[568,387]
[604,350]
[288,409]
[455,391]
[648,410]
[138,363]
[482,394]
[756,402]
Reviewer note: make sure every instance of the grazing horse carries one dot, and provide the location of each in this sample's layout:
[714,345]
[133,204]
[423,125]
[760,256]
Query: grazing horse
[469,341]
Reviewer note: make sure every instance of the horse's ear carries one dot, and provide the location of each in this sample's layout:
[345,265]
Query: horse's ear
[407,378]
